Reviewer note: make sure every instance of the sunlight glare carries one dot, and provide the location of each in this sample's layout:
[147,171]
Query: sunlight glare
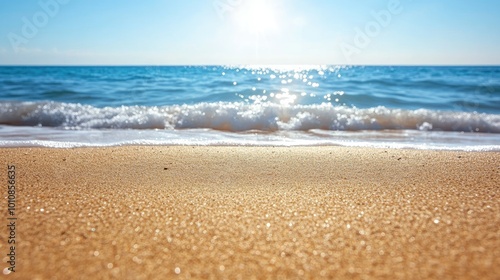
[258,17]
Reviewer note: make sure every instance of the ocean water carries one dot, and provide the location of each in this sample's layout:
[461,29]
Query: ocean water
[447,108]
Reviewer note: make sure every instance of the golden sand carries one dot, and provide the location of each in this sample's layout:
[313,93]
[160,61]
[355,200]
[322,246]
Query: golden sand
[253,212]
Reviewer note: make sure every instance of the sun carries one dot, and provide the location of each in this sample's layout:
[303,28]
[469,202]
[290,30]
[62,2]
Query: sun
[257,17]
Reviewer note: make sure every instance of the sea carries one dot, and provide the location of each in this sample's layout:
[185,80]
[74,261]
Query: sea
[414,107]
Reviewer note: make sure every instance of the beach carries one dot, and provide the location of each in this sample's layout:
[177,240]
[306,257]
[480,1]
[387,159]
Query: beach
[160,212]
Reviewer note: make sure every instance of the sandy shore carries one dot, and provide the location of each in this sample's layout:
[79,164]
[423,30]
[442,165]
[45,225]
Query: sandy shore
[243,212]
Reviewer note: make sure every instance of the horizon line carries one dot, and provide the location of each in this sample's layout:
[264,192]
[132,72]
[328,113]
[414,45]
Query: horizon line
[244,65]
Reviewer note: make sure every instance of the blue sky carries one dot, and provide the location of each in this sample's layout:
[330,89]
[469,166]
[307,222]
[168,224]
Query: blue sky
[157,32]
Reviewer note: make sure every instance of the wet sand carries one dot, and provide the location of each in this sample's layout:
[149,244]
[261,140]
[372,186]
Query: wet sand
[253,212]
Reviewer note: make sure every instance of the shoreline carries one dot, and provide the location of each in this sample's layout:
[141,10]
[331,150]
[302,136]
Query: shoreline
[402,147]
[237,212]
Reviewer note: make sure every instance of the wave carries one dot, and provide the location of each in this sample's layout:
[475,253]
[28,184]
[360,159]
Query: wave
[240,117]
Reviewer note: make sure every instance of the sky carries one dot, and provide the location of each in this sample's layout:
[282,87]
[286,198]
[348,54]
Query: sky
[193,32]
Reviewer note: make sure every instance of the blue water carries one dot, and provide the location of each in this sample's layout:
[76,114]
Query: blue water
[377,106]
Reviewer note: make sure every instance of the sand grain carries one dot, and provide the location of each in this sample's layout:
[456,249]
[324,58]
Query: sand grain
[238,212]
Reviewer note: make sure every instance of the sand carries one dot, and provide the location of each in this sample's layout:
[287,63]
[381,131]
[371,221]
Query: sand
[253,212]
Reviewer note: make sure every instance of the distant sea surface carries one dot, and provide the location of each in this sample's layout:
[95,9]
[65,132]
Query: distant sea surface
[445,108]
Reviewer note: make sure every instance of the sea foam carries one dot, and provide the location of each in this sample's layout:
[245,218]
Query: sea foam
[241,117]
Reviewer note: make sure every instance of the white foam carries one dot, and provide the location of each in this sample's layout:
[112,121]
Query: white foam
[59,138]
[239,117]
[66,125]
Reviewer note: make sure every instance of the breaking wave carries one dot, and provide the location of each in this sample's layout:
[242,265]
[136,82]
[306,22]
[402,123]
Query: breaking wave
[240,117]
